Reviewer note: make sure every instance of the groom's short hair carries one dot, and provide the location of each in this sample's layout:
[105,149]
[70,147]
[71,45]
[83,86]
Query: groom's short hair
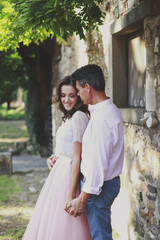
[91,74]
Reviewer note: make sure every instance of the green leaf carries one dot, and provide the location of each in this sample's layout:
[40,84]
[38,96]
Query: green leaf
[18,18]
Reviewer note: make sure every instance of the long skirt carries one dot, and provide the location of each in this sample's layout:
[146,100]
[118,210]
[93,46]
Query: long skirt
[49,220]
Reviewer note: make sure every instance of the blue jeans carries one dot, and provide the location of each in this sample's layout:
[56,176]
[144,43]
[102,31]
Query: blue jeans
[98,210]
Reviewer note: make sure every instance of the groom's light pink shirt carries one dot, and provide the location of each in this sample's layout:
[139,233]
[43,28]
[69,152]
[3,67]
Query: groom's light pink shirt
[102,146]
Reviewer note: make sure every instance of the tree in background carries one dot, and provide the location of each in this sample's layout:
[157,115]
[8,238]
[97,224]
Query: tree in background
[35,24]
[38,60]
[12,76]
[36,20]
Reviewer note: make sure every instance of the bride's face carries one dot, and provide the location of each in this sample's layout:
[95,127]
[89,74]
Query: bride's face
[68,97]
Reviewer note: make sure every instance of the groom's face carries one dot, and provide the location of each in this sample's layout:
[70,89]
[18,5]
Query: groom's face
[83,92]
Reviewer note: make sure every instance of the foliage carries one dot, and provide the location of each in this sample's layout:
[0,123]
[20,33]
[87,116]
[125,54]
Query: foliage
[8,23]
[36,20]
[12,75]
[8,186]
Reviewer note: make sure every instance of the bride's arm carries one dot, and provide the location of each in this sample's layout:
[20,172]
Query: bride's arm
[79,124]
[77,149]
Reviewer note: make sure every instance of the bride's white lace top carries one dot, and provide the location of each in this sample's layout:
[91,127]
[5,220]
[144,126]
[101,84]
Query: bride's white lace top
[70,131]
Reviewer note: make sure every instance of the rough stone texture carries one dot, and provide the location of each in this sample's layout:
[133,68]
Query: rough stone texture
[95,52]
[141,171]
[6,162]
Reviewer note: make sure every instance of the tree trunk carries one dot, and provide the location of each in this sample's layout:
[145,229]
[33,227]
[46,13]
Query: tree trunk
[8,105]
[38,106]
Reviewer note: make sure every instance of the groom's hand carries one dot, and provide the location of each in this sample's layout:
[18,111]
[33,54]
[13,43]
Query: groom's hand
[76,206]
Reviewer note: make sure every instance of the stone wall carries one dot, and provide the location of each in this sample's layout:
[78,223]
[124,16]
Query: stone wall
[140,193]
[141,176]
[5,162]
[136,211]
[117,8]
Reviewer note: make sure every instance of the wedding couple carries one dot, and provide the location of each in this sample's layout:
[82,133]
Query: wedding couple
[89,156]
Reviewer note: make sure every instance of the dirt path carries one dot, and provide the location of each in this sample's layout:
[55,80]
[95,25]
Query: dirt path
[15,214]
[30,171]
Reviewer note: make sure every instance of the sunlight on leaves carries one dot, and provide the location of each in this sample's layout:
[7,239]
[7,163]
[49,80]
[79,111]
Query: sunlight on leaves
[23,21]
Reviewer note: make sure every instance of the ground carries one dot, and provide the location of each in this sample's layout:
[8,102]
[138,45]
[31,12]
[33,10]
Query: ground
[15,213]
[29,173]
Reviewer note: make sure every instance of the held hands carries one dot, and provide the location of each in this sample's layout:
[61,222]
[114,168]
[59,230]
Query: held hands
[69,199]
[51,161]
[75,207]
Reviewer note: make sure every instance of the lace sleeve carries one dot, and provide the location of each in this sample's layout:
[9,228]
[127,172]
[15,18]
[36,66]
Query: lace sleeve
[79,124]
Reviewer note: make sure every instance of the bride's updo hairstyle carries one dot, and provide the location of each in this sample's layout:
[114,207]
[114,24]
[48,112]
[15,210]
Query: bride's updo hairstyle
[79,106]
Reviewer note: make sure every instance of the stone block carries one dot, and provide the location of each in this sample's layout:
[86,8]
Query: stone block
[121,8]
[151,188]
[5,162]
[116,12]
[131,3]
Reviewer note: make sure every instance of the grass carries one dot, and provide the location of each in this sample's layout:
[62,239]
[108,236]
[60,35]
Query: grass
[13,221]
[8,187]
[13,234]
[13,129]
[12,132]
[15,213]
[12,114]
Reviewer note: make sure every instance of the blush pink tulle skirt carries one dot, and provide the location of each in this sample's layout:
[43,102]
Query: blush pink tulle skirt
[49,220]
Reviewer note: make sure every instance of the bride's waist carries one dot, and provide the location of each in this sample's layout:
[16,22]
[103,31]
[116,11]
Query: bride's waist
[65,159]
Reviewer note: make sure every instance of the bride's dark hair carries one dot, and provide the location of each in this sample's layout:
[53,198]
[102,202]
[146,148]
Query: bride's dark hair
[79,105]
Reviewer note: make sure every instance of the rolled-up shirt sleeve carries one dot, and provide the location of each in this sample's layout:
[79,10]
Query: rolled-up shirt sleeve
[97,148]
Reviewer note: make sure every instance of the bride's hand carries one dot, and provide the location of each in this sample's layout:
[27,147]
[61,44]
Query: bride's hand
[69,199]
[51,161]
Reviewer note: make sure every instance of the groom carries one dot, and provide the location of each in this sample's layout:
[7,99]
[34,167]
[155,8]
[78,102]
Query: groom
[102,153]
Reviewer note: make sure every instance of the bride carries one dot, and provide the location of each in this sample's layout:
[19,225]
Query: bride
[49,220]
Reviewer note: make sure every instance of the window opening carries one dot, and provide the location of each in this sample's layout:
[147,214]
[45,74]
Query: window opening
[136,58]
